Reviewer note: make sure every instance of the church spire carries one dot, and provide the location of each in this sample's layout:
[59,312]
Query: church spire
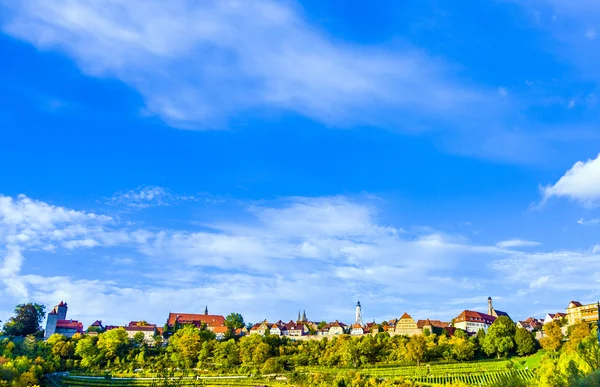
[206,310]
[298,319]
[304,319]
[358,314]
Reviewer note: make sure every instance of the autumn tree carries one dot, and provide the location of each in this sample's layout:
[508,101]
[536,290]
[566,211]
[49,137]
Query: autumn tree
[553,336]
[415,348]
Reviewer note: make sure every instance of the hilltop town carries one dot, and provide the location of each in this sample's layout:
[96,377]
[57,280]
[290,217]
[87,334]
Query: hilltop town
[468,321]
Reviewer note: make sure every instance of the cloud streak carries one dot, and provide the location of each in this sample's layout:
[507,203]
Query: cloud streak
[197,63]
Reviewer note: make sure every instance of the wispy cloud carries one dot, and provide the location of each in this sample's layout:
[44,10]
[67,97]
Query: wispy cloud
[588,222]
[196,63]
[322,245]
[517,243]
[148,196]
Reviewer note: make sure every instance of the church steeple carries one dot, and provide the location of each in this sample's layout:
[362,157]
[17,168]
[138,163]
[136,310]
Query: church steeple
[358,314]
[298,319]
[304,319]
[206,310]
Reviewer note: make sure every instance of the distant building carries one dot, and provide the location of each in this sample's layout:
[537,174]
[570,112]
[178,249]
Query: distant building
[148,330]
[531,324]
[433,326]
[358,319]
[554,317]
[332,329]
[57,322]
[471,321]
[211,321]
[576,312]
[406,325]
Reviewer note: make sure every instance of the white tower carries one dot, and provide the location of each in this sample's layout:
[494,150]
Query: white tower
[358,314]
[490,307]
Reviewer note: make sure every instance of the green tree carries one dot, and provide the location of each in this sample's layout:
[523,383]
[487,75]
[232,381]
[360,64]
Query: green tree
[26,321]
[526,344]
[185,346]
[553,336]
[499,339]
[234,321]
[113,343]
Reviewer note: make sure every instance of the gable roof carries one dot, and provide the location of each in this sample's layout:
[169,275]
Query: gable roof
[196,319]
[69,324]
[405,315]
[470,315]
[575,304]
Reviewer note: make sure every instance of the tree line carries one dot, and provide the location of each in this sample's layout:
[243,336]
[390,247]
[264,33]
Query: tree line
[24,358]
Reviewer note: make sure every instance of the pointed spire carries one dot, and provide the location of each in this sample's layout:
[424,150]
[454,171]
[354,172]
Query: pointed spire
[304,315]
[206,310]
[298,316]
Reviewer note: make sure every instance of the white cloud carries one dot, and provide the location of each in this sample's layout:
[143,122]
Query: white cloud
[197,62]
[259,262]
[571,104]
[517,243]
[581,183]
[503,91]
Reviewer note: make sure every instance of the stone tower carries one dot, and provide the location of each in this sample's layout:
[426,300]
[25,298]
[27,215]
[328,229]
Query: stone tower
[59,312]
[358,314]
[490,307]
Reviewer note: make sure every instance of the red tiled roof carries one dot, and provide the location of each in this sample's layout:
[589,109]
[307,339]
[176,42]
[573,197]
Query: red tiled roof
[69,324]
[576,303]
[469,315]
[196,319]
[97,323]
[405,315]
[221,329]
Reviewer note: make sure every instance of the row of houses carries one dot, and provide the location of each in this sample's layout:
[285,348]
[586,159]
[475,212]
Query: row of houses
[468,320]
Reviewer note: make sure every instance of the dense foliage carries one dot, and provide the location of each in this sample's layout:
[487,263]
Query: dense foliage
[378,359]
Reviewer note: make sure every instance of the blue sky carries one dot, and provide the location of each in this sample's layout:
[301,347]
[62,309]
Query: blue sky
[266,157]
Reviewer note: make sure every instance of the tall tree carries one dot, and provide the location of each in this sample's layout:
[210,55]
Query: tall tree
[415,348]
[553,336]
[525,342]
[26,321]
[499,339]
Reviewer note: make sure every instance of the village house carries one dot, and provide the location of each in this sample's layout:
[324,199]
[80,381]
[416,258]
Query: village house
[148,330]
[471,321]
[406,325]
[554,317]
[332,329]
[295,329]
[531,324]
[576,312]
[432,326]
